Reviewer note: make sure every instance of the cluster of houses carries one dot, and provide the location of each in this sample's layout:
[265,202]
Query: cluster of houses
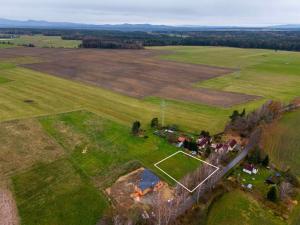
[204,142]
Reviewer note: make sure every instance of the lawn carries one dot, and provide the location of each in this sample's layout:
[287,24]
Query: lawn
[45,41]
[184,164]
[239,208]
[282,142]
[257,180]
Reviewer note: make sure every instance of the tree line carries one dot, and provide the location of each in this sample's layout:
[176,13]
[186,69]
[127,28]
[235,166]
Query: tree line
[277,40]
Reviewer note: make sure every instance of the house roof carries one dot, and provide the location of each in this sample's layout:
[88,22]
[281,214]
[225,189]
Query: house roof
[225,147]
[181,139]
[232,143]
[249,167]
[219,145]
[148,180]
[203,141]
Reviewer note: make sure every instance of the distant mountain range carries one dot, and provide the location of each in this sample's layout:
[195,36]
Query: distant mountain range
[5,23]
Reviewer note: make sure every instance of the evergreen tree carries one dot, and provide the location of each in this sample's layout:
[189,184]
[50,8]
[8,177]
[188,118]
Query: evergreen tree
[204,133]
[243,113]
[234,115]
[265,161]
[135,127]
[154,123]
[272,194]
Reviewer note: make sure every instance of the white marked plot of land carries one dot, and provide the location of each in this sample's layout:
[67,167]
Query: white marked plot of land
[178,182]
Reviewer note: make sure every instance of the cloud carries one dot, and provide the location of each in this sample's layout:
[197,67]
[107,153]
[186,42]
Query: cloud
[200,12]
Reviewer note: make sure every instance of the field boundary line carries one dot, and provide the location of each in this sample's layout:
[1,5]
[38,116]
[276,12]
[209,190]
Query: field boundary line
[178,182]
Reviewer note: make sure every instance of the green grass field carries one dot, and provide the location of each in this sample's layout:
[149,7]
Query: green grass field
[282,142]
[179,165]
[56,193]
[267,73]
[65,188]
[46,41]
[109,145]
[239,208]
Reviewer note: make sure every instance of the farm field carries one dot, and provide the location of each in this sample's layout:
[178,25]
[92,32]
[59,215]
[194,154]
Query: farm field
[141,74]
[239,208]
[282,142]
[45,41]
[5,45]
[51,95]
[266,73]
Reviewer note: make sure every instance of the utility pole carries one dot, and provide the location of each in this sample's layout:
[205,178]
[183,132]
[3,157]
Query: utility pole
[162,112]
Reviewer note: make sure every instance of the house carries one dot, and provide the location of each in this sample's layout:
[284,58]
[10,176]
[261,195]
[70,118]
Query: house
[225,148]
[222,148]
[250,169]
[218,147]
[232,144]
[249,186]
[180,141]
[202,142]
[148,182]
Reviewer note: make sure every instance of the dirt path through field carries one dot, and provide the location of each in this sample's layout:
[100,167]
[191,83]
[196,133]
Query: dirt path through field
[8,209]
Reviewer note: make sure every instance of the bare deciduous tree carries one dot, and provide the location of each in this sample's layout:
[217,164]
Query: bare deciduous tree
[285,190]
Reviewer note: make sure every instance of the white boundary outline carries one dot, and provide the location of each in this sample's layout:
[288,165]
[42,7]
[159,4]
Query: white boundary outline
[156,165]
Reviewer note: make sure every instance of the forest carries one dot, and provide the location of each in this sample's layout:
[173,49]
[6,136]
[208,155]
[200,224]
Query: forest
[270,39]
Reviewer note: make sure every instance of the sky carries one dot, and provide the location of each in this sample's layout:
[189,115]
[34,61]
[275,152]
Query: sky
[169,12]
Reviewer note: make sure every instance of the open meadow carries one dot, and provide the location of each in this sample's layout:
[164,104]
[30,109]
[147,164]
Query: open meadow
[282,142]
